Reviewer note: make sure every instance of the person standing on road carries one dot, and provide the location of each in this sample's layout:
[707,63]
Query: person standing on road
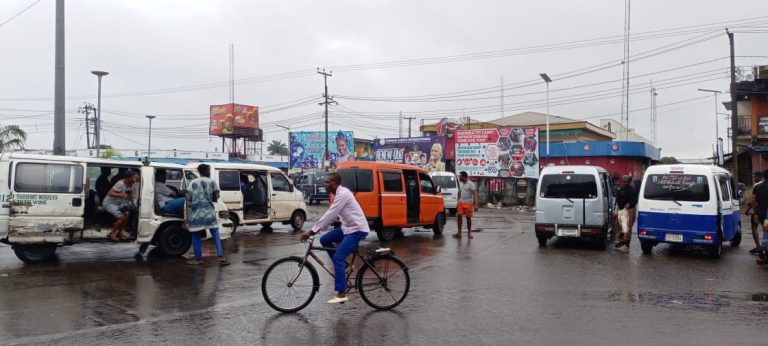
[201,194]
[754,216]
[467,203]
[760,193]
[354,228]
[626,198]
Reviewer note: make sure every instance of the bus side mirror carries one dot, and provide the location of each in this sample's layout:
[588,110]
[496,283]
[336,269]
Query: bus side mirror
[438,189]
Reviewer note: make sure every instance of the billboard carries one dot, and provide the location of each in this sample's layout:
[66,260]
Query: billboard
[425,152]
[504,152]
[447,127]
[307,148]
[233,119]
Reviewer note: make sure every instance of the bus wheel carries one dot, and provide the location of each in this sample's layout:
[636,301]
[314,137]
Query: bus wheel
[297,220]
[174,241]
[439,224]
[717,250]
[386,234]
[542,241]
[646,246]
[35,253]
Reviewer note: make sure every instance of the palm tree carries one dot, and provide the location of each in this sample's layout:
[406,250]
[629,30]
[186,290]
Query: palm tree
[12,137]
[277,147]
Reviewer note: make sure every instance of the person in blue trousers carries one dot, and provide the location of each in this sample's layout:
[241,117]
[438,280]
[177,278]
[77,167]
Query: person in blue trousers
[354,228]
[201,194]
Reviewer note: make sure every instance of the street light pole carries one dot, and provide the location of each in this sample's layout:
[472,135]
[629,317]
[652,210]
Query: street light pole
[717,126]
[149,141]
[97,126]
[547,80]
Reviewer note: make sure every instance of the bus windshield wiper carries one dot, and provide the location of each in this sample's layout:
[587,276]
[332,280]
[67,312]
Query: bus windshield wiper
[566,197]
[675,200]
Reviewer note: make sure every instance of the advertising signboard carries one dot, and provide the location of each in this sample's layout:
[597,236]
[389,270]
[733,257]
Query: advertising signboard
[307,148]
[233,119]
[504,152]
[425,152]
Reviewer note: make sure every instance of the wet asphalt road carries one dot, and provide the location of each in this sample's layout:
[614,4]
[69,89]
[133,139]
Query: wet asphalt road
[496,289]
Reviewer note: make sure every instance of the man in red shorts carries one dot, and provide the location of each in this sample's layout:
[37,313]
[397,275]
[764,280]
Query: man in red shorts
[467,203]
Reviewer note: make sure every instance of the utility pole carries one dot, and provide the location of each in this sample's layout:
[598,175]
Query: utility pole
[86,109]
[59,120]
[734,110]
[400,124]
[327,100]
[409,124]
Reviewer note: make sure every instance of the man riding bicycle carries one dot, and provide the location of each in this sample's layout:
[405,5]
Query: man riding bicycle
[354,228]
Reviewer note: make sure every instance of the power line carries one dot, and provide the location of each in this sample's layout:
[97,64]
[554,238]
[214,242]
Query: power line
[18,14]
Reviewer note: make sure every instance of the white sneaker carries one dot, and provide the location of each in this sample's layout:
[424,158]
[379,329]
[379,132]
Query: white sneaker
[338,300]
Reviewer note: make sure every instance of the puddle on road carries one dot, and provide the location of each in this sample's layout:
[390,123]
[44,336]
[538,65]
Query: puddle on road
[702,301]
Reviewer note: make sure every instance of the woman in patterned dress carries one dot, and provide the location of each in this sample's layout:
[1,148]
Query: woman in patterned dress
[201,194]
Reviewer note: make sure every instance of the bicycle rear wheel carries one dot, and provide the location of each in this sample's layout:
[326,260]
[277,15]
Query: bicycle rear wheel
[287,286]
[385,283]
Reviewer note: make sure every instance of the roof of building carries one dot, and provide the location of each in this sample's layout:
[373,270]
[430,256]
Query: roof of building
[526,119]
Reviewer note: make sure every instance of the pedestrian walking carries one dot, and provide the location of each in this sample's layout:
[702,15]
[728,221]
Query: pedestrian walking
[760,193]
[201,195]
[754,216]
[353,229]
[467,203]
[626,199]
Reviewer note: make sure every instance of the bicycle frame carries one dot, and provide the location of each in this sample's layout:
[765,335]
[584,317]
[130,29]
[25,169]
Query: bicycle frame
[311,248]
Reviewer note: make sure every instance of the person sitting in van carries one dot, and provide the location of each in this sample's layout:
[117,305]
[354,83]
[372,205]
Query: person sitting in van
[166,198]
[626,199]
[119,203]
[102,183]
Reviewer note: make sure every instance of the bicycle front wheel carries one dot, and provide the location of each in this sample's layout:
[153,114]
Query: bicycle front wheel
[384,283]
[289,286]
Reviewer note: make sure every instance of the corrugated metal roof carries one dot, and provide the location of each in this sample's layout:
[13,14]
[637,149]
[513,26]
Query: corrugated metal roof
[531,118]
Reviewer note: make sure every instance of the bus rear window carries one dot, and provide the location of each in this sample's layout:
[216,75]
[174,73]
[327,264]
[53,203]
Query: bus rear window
[568,186]
[677,187]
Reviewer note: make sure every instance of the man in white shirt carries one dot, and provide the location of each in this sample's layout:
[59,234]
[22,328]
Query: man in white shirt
[354,228]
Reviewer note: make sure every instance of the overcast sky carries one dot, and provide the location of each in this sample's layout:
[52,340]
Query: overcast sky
[170,58]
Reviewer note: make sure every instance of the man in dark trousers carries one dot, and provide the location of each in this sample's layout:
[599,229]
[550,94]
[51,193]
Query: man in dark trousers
[626,198]
[756,218]
[760,195]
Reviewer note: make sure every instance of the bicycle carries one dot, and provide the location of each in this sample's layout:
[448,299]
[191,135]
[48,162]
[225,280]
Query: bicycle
[290,283]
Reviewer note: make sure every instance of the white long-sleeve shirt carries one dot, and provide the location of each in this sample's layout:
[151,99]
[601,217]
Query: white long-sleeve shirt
[346,208]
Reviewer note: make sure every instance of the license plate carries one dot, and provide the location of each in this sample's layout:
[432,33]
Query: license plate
[569,232]
[678,238]
[321,190]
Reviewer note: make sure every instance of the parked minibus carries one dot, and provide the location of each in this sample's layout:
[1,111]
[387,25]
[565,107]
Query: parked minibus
[574,201]
[688,204]
[49,201]
[258,194]
[394,196]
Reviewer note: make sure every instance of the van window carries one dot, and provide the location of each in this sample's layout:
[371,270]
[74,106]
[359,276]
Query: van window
[568,186]
[48,178]
[303,180]
[426,183]
[229,180]
[393,181]
[356,180]
[280,183]
[445,181]
[677,187]
[724,190]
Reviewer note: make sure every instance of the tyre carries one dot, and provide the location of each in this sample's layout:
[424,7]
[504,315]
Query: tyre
[35,253]
[646,246]
[542,241]
[289,286]
[603,241]
[297,220]
[386,234]
[736,240]
[174,241]
[452,211]
[439,224]
[385,283]
[233,219]
[717,250]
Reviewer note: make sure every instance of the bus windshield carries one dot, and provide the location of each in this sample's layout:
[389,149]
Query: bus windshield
[677,187]
[445,181]
[569,186]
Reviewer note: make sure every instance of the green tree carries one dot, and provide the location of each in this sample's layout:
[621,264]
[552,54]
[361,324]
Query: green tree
[277,147]
[669,160]
[12,137]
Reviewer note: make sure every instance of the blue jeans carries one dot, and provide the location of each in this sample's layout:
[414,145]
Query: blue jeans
[346,245]
[197,243]
[174,206]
